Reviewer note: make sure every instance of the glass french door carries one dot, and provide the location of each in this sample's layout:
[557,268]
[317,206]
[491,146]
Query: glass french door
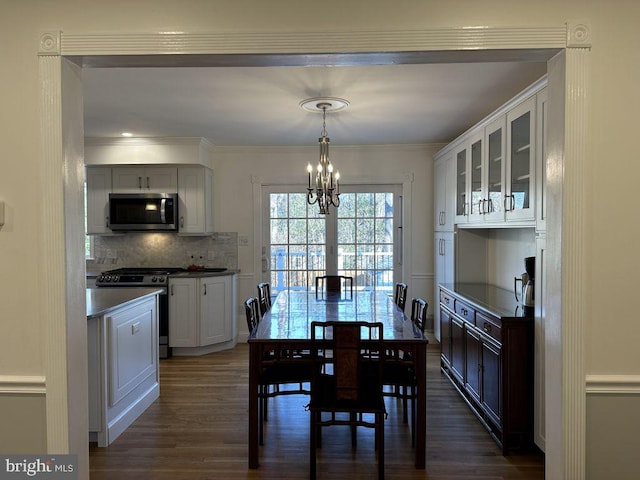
[359,239]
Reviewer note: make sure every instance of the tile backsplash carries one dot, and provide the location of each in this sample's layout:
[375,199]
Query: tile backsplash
[164,250]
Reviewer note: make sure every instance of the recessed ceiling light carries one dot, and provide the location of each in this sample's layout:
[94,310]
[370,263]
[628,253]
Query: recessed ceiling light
[127,134]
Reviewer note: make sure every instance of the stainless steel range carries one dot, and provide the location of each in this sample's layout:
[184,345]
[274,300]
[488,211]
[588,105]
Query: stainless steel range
[145,277]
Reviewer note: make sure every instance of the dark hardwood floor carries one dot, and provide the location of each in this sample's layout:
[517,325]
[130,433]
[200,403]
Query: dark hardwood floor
[198,430]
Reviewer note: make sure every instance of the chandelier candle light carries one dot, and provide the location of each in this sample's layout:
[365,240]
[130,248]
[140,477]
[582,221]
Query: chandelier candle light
[324,187]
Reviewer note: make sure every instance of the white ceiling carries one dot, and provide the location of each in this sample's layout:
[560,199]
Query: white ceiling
[251,105]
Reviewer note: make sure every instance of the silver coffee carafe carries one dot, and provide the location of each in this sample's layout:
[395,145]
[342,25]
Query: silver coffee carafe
[527,296]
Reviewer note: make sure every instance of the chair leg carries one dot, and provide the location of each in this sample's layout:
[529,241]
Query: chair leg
[404,402]
[354,430]
[265,404]
[413,416]
[261,400]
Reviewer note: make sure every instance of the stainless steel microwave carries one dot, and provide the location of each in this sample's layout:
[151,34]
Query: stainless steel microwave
[130,212]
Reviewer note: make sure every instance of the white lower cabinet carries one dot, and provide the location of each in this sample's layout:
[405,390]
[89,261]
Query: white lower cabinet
[123,368]
[201,312]
[444,271]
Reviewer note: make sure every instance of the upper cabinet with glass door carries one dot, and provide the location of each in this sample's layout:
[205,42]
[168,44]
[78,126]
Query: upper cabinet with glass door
[460,157]
[495,140]
[519,201]
[477,197]
[495,165]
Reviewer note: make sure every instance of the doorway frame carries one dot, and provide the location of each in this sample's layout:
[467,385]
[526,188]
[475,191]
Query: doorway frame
[59,156]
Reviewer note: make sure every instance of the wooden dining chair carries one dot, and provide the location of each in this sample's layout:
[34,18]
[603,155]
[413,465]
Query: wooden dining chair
[334,284]
[419,313]
[399,372]
[346,378]
[280,367]
[252,313]
[400,296]
[264,297]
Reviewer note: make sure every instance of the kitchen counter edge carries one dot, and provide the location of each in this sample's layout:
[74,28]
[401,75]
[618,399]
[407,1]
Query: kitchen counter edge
[495,300]
[101,301]
[197,274]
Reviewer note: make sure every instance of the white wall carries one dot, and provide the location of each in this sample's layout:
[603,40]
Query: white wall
[611,166]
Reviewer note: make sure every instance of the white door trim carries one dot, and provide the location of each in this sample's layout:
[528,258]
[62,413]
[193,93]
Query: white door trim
[459,44]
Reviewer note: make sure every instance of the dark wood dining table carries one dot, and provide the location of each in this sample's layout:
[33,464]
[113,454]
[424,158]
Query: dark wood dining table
[287,326]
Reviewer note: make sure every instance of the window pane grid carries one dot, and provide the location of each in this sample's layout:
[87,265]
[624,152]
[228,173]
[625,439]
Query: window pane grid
[297,239]
[365,239]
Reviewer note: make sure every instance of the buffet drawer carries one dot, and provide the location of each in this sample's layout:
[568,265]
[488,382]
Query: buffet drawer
[490,326]
[446,300]
[465,311]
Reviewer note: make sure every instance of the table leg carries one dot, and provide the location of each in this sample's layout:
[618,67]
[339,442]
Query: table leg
[254,366]
[421,417]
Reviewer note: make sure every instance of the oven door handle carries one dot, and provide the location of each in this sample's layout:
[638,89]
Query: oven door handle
[163,207]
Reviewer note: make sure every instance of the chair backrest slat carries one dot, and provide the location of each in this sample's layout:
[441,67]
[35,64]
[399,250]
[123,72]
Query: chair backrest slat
[264,297]
[252,313]
[400,297]
[419,313]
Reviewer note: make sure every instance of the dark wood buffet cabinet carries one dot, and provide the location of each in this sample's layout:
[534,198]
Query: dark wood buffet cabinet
[487,352]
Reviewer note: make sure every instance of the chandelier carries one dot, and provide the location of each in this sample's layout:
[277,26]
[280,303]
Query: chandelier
[323,187]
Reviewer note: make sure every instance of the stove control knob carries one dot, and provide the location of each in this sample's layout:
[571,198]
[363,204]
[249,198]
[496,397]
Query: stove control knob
[161,279]
[154,279]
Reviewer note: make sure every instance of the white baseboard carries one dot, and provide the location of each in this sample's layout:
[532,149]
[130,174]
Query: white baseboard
[128,416]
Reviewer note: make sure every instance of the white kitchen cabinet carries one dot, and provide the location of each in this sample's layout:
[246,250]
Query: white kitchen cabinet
[495,148]
[443,188]
[195,196]
[520,166]
[477,182]
[444,271]
[461,169]
[201,312]
[183,312]
[148,179]
[122,347]
[495,165]
[98,189]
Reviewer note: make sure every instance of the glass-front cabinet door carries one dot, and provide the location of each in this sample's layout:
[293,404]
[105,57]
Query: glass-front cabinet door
[462,187]
[519,204]
[476,187]
[495,140]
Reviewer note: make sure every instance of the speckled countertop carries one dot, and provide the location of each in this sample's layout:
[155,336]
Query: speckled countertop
[101,301]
